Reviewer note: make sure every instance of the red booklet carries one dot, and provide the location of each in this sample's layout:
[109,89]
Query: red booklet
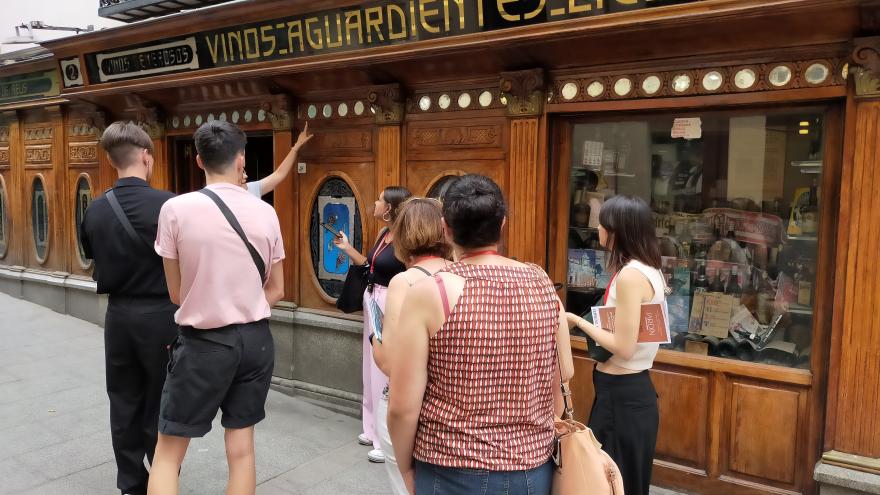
[653,327]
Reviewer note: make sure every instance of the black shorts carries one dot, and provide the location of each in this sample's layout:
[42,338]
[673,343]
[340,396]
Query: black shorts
[228,368]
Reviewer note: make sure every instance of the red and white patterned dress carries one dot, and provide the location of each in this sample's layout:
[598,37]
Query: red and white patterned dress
[489,400]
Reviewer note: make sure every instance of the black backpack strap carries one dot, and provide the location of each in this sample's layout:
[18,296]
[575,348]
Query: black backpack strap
[233,222]
[126,223]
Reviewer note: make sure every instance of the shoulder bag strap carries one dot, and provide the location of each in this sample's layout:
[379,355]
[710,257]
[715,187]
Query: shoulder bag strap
[568,409]
[123,219]
[233,222]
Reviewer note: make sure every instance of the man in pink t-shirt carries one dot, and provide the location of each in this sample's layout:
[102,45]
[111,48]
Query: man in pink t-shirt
[224,354]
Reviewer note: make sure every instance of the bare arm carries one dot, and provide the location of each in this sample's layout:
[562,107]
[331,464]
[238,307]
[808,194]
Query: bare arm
[563,344]
[274,288]
[632,288]
[382,352]
[269,183]
[342,243]
[409,375]
[172,278]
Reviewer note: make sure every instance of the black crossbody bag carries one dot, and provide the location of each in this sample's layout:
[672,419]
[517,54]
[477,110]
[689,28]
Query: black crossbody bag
[233,222]
[126,223]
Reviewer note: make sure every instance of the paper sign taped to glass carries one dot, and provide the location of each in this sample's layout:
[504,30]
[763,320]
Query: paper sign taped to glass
[653,322]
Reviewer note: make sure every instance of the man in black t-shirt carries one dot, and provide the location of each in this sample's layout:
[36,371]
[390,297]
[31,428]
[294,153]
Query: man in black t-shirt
[118,231]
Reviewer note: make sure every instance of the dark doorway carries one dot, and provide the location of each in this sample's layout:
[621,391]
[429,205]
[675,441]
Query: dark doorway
[258,162]
[188,177]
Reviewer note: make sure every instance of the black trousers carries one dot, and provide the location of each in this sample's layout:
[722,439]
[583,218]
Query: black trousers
[625,419]
[137,332]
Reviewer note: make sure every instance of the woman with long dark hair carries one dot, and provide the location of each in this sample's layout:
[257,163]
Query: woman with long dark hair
[383,267]
[624,417]
[473,376]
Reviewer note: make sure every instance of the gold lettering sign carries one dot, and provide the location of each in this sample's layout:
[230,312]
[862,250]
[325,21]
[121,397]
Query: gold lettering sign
[376,23]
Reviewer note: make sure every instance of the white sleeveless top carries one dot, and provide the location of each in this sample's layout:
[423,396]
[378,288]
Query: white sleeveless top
[643,358]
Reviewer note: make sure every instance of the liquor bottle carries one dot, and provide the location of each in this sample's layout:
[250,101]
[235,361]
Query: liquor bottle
[766,297]
[733,287]
[750,292]
[701,284]
[717,285]
[804,287]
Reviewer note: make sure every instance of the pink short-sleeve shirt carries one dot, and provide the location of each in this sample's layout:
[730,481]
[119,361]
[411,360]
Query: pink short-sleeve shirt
[219,284]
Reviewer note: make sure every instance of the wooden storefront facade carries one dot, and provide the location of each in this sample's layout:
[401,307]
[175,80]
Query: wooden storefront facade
[509,103]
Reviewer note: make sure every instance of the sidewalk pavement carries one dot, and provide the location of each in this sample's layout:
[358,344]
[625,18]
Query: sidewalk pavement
[55,432]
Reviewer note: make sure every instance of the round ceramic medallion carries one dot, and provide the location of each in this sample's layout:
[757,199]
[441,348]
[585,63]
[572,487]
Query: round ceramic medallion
[235,117]
[425,103]
[248,116]
[359,108]
[569,90]
[187,120]
[712,81]
[745,79]
[780,76]
[485,98]
[623,86]
[223,117]
[199,120]
[817,73]
[175,122]
[312,112]
[681,83]
[327,112]
[651,85]
[444,101]
[261,115]
[211,117]
[464,100]
[844,71]
[342,110]
[595,89]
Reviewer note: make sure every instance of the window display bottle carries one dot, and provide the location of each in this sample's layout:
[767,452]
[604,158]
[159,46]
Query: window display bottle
[701,284]
[750,292]
[717,285]
[733,287]
[804,287]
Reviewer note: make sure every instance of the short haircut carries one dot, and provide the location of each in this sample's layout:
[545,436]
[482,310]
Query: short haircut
[474,210]
[630,225]
[395,196]
[218,143]
[123,141]
[418,230]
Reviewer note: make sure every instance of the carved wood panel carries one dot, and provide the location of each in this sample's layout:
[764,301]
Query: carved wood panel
[683,437]
[341,142]
[764,423]
[449,137]
[82,153]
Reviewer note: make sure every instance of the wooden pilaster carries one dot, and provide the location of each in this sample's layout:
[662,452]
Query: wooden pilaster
[853,416]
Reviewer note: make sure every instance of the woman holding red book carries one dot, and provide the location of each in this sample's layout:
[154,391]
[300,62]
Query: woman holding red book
[624,417]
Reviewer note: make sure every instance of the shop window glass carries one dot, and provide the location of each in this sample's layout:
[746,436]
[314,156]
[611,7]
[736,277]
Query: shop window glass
[336,208]
[83,200]
[736,205]
[4,228]
[40,218]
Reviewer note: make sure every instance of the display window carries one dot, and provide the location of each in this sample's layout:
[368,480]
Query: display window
[4,214]
[736,198]
[40,219]
[83,200]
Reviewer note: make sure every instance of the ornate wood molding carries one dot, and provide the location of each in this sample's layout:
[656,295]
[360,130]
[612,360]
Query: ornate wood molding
[687,81]
[86,123]
[4,156]
[523,91]
[39,133]
[38,155]
[83,153]
[866,54]
[150,120]
[454,100]
[278,112]
[421,138]
[388,103]
[334,140]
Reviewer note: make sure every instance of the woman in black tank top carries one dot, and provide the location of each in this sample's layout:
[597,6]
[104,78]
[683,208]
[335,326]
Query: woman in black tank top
[383,266]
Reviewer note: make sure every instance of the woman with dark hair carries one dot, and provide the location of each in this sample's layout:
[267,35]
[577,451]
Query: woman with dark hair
[625,395]
[420,242]
[383,267]
[473,376]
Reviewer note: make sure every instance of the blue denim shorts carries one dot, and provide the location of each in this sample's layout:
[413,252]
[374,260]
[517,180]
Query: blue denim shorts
[438,480]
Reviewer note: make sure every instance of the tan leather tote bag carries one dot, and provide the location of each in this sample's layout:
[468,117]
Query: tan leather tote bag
[582,467]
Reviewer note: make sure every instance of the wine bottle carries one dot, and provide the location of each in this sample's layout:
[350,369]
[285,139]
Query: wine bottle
[733,287]
[717,285]
[701,284]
